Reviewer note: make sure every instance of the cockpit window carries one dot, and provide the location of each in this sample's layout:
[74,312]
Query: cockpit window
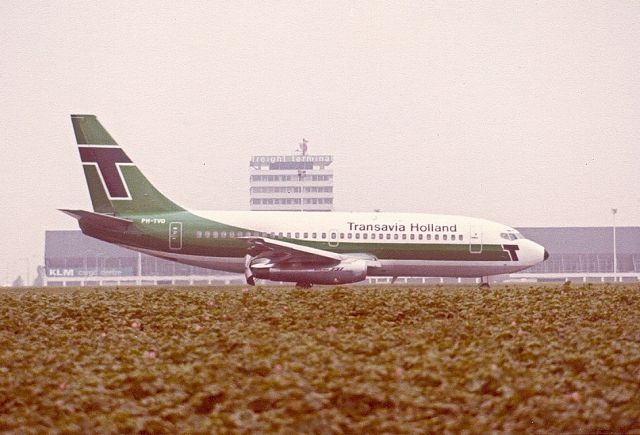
[511,236]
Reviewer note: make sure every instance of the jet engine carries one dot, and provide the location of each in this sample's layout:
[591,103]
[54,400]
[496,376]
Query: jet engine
[345,272]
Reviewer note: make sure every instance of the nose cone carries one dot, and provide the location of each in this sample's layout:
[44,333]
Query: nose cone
[531,253]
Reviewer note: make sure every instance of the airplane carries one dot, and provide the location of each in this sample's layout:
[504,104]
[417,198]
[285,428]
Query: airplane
[305,248]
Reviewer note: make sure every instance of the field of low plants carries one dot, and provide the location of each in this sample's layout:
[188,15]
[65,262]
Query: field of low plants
[324,360]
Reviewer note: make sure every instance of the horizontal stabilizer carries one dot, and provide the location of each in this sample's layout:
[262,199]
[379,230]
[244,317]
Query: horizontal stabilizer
[103,220]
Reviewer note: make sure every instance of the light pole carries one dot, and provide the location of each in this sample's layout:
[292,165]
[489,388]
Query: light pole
[615,257]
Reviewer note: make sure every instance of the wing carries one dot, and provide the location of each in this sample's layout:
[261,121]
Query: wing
[268,252]
[279,252]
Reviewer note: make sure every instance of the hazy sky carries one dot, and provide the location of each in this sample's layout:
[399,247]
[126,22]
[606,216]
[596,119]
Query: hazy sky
[527,113]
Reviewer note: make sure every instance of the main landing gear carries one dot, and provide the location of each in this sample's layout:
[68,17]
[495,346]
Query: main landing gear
[484,283]
[304,285]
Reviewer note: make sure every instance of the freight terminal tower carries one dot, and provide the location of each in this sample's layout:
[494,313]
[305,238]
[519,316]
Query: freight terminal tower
[297,182]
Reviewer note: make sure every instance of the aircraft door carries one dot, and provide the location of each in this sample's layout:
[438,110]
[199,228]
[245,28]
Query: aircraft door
[175,235]
[475,239]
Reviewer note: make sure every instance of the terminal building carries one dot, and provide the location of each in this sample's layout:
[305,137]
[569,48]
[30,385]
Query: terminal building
[298,182]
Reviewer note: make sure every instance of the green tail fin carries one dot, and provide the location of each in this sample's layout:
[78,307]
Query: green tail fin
[115,183]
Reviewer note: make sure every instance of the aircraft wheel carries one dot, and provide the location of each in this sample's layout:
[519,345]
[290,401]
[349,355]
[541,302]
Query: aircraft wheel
[484,283]
[304,284]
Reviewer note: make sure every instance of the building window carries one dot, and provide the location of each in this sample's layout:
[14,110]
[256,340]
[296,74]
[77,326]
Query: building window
[207,234]
[214,234]
[223,234]
[199,234]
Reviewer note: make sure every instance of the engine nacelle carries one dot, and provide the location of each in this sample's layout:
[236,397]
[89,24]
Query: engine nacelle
[345,272]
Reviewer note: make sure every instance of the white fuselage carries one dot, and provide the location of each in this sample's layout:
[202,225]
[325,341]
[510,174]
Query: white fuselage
[383,233]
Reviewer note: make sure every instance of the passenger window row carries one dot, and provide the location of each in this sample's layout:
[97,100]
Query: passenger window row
[332,236]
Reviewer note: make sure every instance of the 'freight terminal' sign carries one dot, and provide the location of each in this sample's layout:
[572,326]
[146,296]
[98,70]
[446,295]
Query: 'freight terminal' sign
[298,158]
